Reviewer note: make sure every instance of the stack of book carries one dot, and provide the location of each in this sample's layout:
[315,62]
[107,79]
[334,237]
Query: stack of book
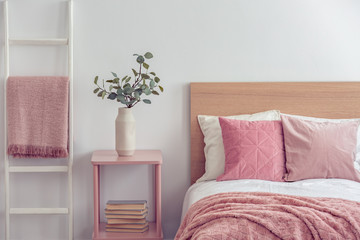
[126,216]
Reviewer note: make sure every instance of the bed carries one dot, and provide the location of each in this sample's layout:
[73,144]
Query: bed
[310,208]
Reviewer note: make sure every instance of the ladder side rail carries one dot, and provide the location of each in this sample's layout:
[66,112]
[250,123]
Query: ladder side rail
[71,103]
[6,157]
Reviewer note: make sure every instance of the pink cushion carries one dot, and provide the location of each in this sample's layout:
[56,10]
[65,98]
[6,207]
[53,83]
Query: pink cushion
[253,150]
[319,149]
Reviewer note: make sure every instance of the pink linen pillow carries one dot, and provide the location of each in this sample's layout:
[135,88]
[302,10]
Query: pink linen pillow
[253,150]
[214,146]
[319,149]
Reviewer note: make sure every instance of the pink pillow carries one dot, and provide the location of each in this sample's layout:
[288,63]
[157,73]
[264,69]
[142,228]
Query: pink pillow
[319,149]
[253,150]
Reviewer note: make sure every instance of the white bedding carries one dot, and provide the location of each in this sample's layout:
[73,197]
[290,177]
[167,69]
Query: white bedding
[336,188]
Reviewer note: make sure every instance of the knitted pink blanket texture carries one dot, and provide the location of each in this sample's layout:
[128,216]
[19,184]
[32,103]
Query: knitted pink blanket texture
[270,216]
[37,116]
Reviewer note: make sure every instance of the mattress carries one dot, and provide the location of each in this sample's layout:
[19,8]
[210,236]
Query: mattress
[334,188]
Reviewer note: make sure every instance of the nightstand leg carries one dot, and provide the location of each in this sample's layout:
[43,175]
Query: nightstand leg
[158,197]
[96,200]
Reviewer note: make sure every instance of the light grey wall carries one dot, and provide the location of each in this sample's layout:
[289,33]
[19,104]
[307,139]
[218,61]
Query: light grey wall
[192,41]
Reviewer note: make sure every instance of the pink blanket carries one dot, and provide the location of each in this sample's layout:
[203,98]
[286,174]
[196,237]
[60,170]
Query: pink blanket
[37,116]
[270,216]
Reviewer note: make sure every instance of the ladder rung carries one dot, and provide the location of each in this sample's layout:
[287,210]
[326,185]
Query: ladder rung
[49,41]
[19,169]
[39,211]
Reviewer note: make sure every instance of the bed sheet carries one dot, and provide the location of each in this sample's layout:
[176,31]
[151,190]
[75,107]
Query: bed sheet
[335,188]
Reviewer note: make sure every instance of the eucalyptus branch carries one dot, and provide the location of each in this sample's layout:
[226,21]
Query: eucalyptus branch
[131,94]
[102,89]
[138,79]
[134,103]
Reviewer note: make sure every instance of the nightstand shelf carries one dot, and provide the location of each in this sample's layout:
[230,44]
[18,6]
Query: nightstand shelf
[140,157]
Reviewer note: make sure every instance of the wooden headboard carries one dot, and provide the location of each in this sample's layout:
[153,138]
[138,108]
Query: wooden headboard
[317,99]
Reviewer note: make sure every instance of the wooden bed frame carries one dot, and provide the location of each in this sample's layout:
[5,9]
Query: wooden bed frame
[317,99]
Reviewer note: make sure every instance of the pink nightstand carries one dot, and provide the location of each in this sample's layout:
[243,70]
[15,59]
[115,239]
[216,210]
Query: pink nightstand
[109,157]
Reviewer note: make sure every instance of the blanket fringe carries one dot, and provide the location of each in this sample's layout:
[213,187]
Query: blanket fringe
[29,151]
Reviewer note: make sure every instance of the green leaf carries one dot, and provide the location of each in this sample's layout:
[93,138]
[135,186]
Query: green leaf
[112,96]
[96,79]
[161,88]
[148,55]
[140,59]
[114,74]
[147,91]
[100,93]
[124,78]
[109,81]
[134,71]
[116,80]
[128,79]
[136,95]
[110,87]
[128,90]
[147,101]
[145,76]
[152,73]
[96,90]
[155,93]
[126,85]
[103,94]
[121,98]
[139,90]
[119,91]
[157,79]
[145,65]
[152,84]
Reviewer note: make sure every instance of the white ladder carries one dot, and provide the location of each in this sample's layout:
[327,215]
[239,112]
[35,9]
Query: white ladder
[40,169]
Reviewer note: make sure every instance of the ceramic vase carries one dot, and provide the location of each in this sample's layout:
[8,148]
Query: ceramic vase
[125,132]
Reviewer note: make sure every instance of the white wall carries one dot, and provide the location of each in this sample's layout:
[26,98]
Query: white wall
[204,40]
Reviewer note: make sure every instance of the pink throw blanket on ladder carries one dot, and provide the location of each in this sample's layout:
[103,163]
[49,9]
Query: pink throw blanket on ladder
[270,216]
[37,116]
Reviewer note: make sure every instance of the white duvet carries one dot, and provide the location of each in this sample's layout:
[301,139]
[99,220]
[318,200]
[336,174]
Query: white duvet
[335,188]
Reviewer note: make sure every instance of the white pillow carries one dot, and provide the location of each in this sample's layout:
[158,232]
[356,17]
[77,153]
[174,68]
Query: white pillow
[214,147]
[357,157]
[357,166]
